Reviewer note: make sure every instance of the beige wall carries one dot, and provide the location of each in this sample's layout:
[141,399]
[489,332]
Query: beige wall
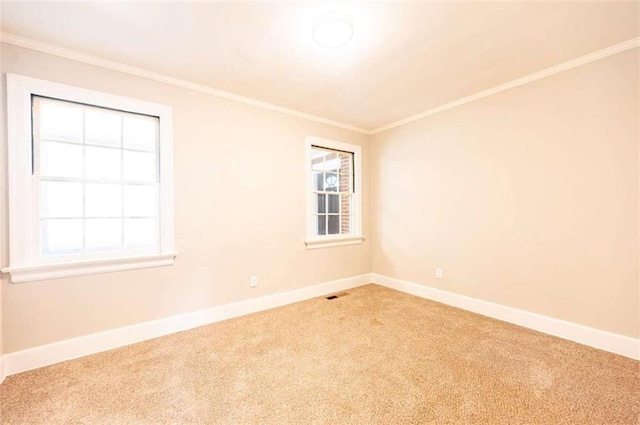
[528,198]
[4,246]
[239,211]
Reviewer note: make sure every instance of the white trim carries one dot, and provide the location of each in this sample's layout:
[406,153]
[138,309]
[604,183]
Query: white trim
[81,268]
[2,370]
[565,66]
[26,264]
[331,242]
[38,46]
[607,341]
[150,75]
[314,241]
[33,358]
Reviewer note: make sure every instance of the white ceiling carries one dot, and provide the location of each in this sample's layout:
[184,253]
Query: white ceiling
[406,57]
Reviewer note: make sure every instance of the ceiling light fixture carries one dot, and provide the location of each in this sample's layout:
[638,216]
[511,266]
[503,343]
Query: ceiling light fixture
[333,30]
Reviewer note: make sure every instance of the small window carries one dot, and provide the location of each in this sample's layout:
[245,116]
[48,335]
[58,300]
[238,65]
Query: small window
[333,193]
[90,181]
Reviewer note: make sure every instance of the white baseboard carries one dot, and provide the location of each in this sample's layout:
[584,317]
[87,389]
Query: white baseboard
[607,341]
[2,374]
[33,358]
[45,355]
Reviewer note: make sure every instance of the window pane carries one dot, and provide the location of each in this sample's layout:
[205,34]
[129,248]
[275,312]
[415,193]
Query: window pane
[102,163]
[103,127]
[61,236]
[320,203]
[140,201]
[60,121]
[60,160]
[345,224]
[140,132]
[103,200]
[321,225]
[140,233]
[344,183]
[345,204]
[324,160]
[140,166]
[318,181]
[60,199]
[331,182]
[103,234]
[345,162]
[331,162]
[317,153]
[334,204]
[333,227]
[317,159]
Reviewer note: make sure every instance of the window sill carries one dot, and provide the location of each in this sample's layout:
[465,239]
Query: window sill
[333,242]
[81,268]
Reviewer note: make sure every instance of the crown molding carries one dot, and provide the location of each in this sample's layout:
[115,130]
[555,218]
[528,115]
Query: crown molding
[139,72]
[27,43]
[574,63]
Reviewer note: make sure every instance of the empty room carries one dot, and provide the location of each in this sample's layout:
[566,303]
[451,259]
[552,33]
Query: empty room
[306,212]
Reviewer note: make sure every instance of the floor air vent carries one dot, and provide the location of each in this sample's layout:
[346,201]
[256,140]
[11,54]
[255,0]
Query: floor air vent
[334,296]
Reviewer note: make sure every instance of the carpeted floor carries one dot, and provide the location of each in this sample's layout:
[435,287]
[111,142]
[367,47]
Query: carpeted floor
[375,356]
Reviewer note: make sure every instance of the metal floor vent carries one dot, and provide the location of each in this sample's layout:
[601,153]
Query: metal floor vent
[334,296]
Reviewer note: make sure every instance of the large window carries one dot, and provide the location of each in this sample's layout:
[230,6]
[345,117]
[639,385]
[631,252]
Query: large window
[89,181]
[333,193]
[97,174]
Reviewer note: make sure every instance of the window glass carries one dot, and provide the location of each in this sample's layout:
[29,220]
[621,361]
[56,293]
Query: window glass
[61,121]
[140,233]
[103,128]
[89,159]
[62,236]
[332,187]
[103,234]
[140,166]
[60,159]
[140,132]
[140,201]
[103,200]
[102,163]
[61,199]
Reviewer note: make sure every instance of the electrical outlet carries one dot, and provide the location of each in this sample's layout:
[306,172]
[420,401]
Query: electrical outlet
[438,273]
[253,282]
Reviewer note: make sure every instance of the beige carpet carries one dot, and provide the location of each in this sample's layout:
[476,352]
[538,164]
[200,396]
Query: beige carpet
[376,356]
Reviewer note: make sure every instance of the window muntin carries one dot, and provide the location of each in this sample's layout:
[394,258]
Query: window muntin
[97,176]
[333,190]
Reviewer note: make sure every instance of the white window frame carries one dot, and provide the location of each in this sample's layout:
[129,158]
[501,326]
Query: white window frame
[312,240]
[26,264]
